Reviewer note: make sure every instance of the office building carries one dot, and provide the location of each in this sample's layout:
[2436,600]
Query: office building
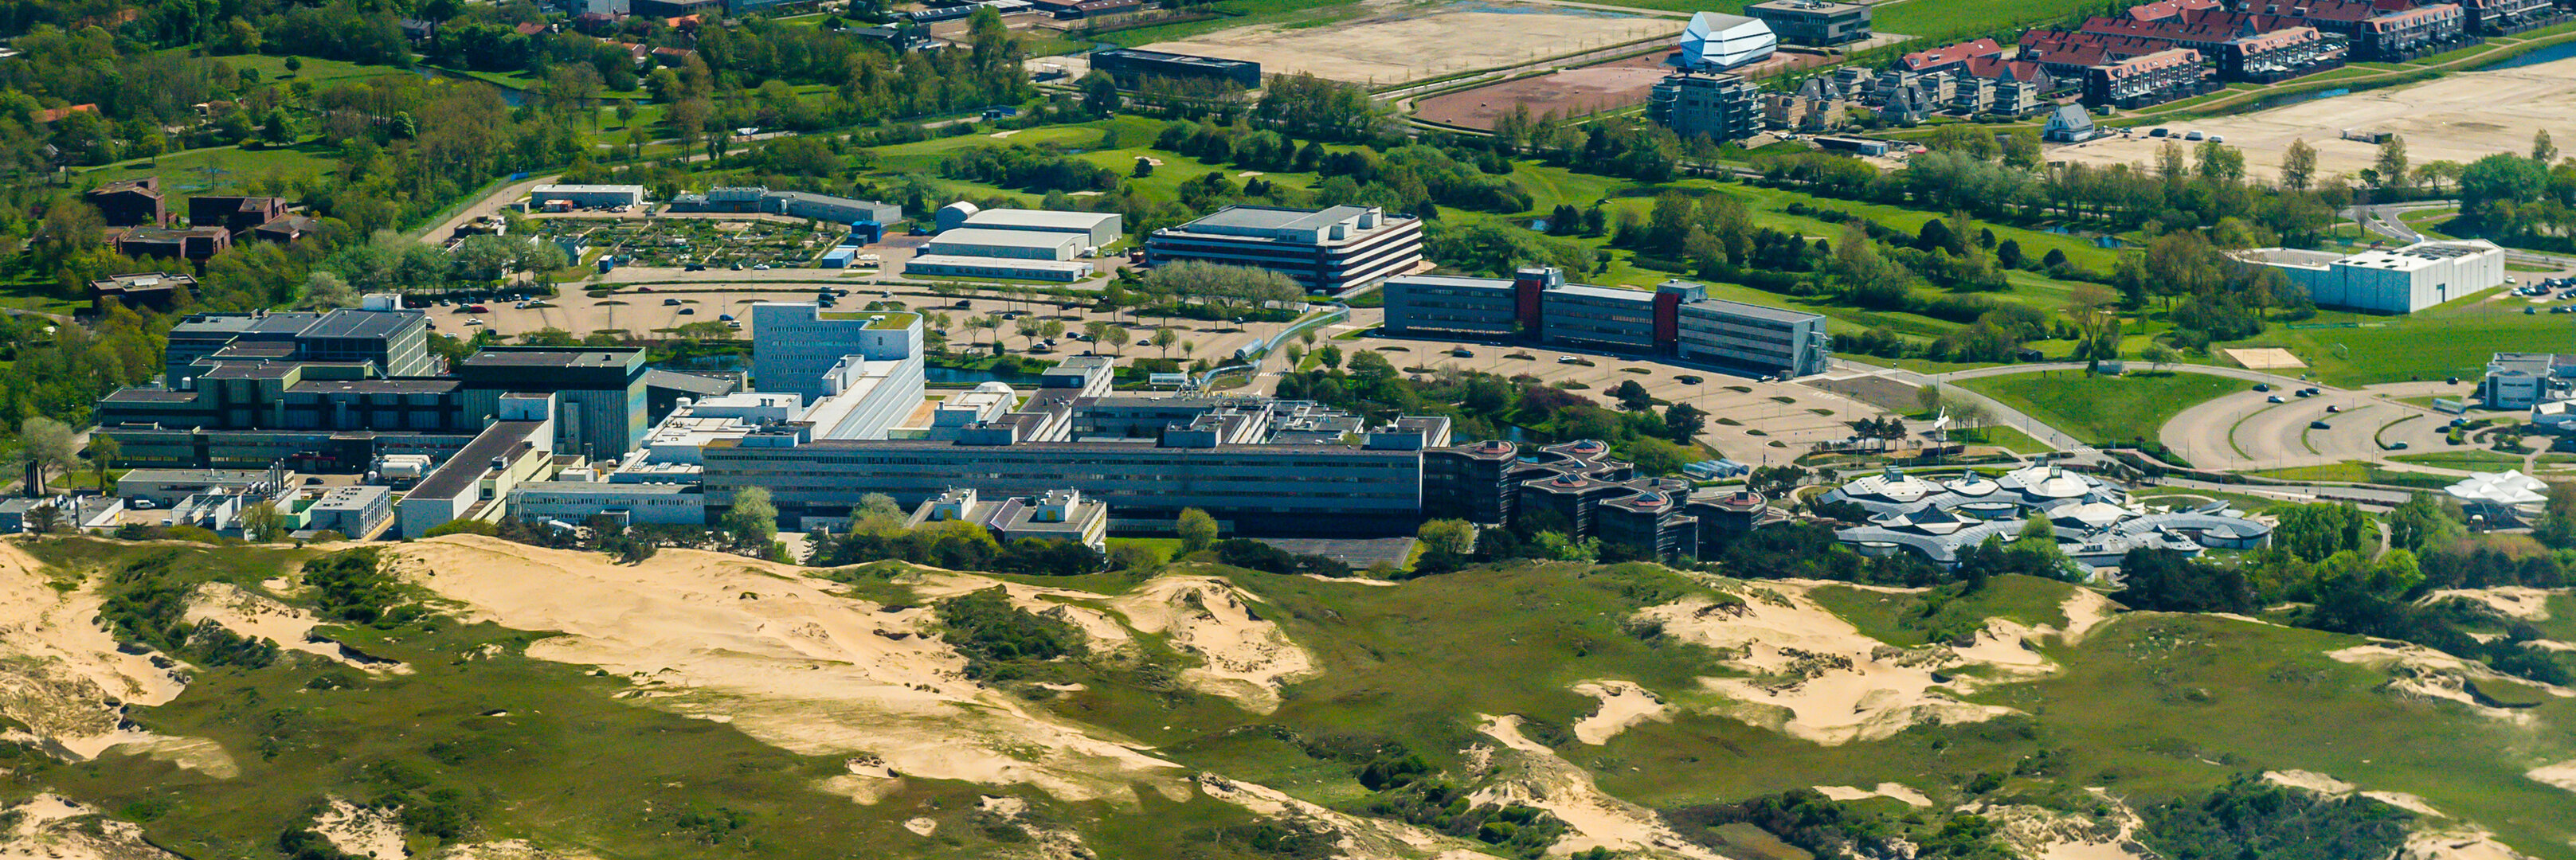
[2389,280]
[359,512]
[2096,523]
[475,483]
[1813,22]
[599,405]
[955,266]
[793,204]
[379,332]
[1325,250]
[2523,380]
[1132,67]
[574,502]
[794,344]
[1710,104]
[587,196]
[1675,319]
[1716,41]
[1056,515]
[234,214]
[193,243]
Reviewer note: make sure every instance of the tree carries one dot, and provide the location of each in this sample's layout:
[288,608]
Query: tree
[2421,524]
[44,519]
[50,446]
[2391,162]
[1197,530]
[2542,150]
[2158,355]
[2557,526]
[103,453]
[1633,397]
[2298,165]
[1447,537]
[1116,337]
[753,522]
[1683,421]
[1163,339]
[2312,532]
[261,522]
[326,290]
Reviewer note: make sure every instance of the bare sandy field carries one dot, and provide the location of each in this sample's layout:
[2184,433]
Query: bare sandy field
[1571,92]
[2462,117]
[1422,42]
[1575,91]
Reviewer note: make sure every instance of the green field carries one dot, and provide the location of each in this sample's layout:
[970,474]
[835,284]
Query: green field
[225,168]
[2148,707]
[2455,339]
[2358,473]
[2476,461]
[2102,409]
[1951,18]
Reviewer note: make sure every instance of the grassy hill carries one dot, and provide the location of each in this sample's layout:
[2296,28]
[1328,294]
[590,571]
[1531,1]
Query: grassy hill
[663,710]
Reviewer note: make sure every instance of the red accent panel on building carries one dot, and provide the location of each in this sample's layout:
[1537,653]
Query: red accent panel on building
[1526,291]
[1668,321]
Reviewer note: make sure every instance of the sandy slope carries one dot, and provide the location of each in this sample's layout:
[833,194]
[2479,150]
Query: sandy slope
[2561,775]
[2419,672]
[1248,658]
[1534,775]
[2513,601]
[56,828]
[2437,836]
[1815,676]
[60,674]
[1623,704]
[262,617]
[1892,790]
[787,660]
[362,831]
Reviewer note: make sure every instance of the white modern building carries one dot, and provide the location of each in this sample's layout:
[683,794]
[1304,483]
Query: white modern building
[1015,268]
[795,343]
[586,196]
[1716,40]
[575,502]
[1325,250]
[1098,229]
[2389,280]
[1011,244]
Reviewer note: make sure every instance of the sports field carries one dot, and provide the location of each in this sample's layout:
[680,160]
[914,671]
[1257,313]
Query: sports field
[1412,42]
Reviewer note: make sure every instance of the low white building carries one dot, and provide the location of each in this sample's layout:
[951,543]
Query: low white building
[1012,244]
[575,502]
[2389,280]
[587,196]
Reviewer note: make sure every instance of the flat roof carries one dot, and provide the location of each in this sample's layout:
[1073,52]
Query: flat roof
[1744,309]
[182,476]
[691,382]
[355,323]
[1453,281]
[892,319]
[1816,6]
[375,386]
[577,189]
[1014,238]
[1040,218]
[1276,218]
[286,322]
[633,489]
[467,466]
[1190,59]
[1589,291]
[605,356]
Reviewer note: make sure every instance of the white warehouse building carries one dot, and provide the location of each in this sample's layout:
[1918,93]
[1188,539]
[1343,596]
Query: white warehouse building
[1012,244]
[2389,280]
[588,195]
[1716,40]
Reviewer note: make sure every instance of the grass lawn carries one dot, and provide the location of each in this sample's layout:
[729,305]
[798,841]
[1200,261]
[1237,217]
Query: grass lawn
[2455,339]
[225,168]
[2359,473]
[2007,438]
[2102,409]
[1946,18]
[2473,460]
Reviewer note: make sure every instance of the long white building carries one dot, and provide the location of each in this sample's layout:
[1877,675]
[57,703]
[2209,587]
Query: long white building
[794,344]
[2389,280]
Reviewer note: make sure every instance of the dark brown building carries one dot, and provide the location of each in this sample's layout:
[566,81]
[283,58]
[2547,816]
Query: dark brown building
[131,203]
[157,291]
[194,243]
[234,214]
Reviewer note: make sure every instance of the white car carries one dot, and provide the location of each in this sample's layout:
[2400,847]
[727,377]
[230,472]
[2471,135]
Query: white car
[473,323]
[142,505]
[1566,359]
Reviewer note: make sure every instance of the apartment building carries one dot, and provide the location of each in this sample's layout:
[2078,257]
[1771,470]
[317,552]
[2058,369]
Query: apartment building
[1707,104]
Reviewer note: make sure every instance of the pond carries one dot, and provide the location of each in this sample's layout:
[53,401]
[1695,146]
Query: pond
[2287,99]
[2551,54]
[509,96]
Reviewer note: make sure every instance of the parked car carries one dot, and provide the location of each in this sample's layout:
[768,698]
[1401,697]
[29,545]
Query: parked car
[2194,135]
[2333,409]
[143,505]
[2158,133]
[2398,445]
[2274,399]
[670,302]
[687,312]
[2319,425]
[725,318]
[2262,386]
[1565,359]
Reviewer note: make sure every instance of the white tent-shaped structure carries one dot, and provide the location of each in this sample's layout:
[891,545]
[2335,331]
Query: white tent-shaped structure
[1716,40]
[2511,490]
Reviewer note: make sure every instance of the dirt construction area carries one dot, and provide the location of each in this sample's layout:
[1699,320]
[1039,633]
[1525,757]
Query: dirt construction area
[1420,41]
[2461,117]
[1570,92]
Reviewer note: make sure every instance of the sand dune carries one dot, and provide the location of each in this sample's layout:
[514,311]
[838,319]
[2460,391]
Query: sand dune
[2511,601]
[2423,673]
[1535,776]
[787,660]
[1891,790]
[1816,676]
[57,828]
[362,831]
[62,675]
[1623,704]
[261,617]
[1248,657]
